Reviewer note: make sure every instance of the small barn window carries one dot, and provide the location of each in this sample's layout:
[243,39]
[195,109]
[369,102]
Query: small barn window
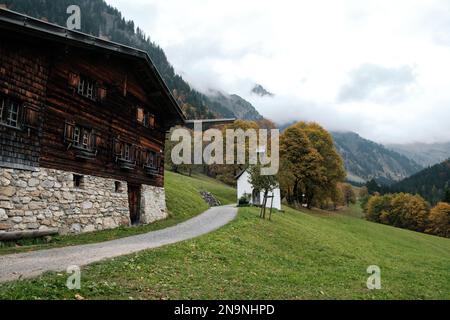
[117,186]
[78,181]
[146,119]
[87,88]
[9,112]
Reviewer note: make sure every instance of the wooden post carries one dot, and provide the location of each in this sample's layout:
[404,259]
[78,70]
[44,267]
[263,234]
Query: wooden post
[271,207]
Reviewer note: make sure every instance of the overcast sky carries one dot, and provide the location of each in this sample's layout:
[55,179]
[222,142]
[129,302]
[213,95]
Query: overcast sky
[379,68]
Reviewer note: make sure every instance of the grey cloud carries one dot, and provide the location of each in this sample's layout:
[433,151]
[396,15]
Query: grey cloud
[371,82]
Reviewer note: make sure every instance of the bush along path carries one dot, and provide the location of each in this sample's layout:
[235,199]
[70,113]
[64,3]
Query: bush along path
[26,265]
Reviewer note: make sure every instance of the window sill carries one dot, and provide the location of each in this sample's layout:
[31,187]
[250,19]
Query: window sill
[11,127]
[151,171]
[126,164]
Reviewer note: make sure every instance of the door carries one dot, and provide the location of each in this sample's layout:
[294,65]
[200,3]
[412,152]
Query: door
[256,201]
[134,200]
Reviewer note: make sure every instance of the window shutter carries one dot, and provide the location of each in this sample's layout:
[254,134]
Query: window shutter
[117,144]
[74,79]
[101,93]
[68,131]
[151,120]
[158,161]
[94,140]
[30,116]
[133,153]
[140,115]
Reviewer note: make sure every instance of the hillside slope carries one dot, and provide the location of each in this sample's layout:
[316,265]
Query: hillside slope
[423,153]
[430,183]
[297,255]
[102,20]
[365,160]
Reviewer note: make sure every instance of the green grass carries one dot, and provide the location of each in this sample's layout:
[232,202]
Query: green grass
[297,255]
[183,202]
[353,210]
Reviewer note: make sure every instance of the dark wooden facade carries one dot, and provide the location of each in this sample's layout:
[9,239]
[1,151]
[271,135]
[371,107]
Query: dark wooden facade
[86,106]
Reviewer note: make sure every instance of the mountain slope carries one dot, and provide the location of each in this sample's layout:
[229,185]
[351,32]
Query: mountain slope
[102,20]
[261,91]
[237,106]
[366,160]
[423,153]
[430,183]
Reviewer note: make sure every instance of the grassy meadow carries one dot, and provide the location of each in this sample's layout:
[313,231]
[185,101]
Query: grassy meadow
[297,255]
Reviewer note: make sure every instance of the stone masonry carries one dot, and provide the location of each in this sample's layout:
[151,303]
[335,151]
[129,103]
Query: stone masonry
[47,198]
[153,204]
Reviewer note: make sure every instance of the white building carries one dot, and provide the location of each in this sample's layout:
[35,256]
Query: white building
[257,197]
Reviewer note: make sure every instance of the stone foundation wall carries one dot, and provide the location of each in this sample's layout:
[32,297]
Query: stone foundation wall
[153,204]
[47,198]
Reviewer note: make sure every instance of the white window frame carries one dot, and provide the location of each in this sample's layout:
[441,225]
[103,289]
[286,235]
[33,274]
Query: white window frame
[10,113]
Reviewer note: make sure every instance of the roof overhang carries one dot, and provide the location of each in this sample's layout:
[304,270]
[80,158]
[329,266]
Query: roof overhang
[31,27]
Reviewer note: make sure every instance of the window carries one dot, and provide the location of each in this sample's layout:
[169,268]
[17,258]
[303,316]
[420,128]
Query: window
[151,161]
[145,118]
[9,113]
[117,187]
[80,137]
[87,88]
[125,154]
[77,181]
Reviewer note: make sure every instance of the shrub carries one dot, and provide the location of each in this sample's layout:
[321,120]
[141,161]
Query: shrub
[378,208]
[439,220]
[408,211]
[401,210]
[244,200]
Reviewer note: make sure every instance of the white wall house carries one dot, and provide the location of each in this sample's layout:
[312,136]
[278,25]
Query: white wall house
[257,198]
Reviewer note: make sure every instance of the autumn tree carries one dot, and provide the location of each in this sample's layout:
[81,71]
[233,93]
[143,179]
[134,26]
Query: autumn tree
[377,207]
[331,162]
[301,165]
[363,192]
[348,193]
[227,172]
[264,184]
[408,211]
[439,220]
[308,150]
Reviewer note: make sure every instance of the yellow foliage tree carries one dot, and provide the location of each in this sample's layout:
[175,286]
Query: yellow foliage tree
[439,220]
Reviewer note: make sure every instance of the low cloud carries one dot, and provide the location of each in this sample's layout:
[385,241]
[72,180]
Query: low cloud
[379,68]
[371,82]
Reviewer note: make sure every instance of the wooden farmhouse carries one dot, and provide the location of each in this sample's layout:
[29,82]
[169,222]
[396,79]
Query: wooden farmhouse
[82,130]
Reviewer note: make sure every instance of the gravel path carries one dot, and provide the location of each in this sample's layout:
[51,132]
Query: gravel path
[32,264]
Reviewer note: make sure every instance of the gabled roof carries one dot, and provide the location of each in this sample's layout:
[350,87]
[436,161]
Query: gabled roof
[15,22]
[240,173]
